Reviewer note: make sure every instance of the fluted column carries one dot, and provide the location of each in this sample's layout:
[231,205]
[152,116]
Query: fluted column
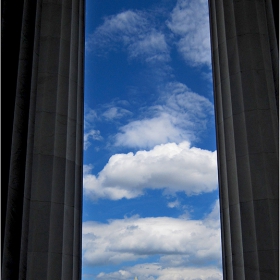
[42,229]
[245,74]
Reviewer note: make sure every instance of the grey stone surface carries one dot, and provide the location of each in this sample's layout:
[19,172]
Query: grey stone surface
[245,69]
[42,237]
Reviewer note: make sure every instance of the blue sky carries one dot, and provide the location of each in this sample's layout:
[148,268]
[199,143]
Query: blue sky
[151,205]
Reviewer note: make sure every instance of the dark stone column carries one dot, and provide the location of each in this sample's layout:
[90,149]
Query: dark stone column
[43,86]
[245,73]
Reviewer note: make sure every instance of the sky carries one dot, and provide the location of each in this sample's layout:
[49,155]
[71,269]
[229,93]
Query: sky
[150,187]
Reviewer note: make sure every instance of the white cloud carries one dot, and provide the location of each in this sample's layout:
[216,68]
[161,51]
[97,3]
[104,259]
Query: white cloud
[117,28]
[174,204]
[157,272]
[173,167]
[212,219]
[181,116]
[92,134]
[179,242]
[147,133]
[87,169]
[89,118]
[115,113]
[190,21]
[152,46]
[135,32]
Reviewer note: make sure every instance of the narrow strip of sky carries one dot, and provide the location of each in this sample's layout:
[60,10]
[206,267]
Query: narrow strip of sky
[151,206]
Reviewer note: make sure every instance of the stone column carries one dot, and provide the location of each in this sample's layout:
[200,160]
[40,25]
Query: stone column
[41,228]
[245,74]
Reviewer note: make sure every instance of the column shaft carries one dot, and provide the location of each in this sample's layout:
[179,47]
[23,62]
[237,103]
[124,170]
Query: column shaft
[42,235]
[245,76]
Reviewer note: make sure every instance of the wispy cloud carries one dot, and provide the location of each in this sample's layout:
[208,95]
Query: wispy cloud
[90,118]
[189,20]
[91,135]
[151,46]
[113,113]
[179,116]
[117,28]
[110,112]
[168,166]
[180,242]
[134,31]
[174,204]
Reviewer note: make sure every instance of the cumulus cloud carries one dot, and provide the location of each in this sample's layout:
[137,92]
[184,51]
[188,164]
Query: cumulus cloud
[146,133]
[190,22]
[157,272]
[173,167]
[179,242]
[181,115]
[213,218]
[134,31]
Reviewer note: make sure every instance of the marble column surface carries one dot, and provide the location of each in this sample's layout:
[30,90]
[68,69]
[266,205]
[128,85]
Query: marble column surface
[42,230]
[245,76]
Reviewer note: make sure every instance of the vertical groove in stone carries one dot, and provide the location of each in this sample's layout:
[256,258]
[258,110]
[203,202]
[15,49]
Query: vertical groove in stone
[59,159]
[45,184]
[17,165]
[223,192]
[233,234]
[77,241]
[68,232]
[30,146]
[241,87]
[272,14]
[244,67]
